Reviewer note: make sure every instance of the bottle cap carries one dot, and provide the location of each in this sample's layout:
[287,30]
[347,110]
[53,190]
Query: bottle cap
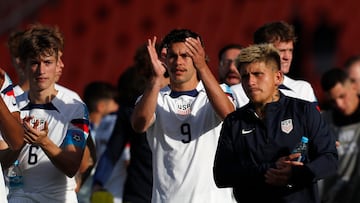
[304,139]
[16,163]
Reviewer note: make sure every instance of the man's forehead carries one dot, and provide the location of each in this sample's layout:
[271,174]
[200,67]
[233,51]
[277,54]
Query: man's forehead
[338,89]
[43,57]
[177,47]
[254,66]
[355,66]
[233,52]
[283,44]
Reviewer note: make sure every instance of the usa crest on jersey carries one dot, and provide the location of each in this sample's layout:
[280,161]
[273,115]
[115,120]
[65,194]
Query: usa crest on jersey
[286,126]
[183,106]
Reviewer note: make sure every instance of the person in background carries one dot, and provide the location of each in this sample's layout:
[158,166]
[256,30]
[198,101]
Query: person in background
[282,36]
[352,66]
[101,99]
[228,72]
[56,126]
[183,151]
[11,131]
[254,153]
[344,118]
[13,45]
[229,77]
[138,184]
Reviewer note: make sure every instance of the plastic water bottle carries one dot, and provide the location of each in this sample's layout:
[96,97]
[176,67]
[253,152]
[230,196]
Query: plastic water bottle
[15,176]
[301,148]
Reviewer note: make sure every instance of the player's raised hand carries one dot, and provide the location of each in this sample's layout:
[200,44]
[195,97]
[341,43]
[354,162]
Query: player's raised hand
[159,69]
[196,52]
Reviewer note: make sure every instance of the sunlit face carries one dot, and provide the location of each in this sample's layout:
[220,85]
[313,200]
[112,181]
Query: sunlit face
[42,72]
[286,54]
[228,72]
[179,64]
[354,74]
[344,97]
[260,82]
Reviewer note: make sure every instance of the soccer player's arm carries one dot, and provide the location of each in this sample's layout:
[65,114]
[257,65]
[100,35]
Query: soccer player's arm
[74,144]
[12,133]
[13,137]
[144,112]
[11,129]
[68,156]
[87,163]
[218,98]
[221,103]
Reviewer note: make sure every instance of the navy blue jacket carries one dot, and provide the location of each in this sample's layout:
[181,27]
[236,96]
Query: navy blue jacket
[249,146]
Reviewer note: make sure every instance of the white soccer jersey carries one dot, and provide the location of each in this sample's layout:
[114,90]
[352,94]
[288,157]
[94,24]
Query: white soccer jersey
[293,88]
[22,96]
[68,92]
[43,182]
[7,94]
[183,140]
[239,95]
[298,89]
[18,91]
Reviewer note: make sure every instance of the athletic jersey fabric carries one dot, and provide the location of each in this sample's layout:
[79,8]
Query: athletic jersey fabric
[68,123]
[8,95]
[239,95]
[22,96]
[68,92]
[183,140]
[298,89]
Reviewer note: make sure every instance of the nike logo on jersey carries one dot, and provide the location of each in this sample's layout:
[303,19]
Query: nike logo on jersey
[244,131]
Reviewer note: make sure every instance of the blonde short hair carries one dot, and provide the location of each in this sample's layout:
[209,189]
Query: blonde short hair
[259,53]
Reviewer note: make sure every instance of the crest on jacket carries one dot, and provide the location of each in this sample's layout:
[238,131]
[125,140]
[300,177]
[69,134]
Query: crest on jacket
[286,126]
